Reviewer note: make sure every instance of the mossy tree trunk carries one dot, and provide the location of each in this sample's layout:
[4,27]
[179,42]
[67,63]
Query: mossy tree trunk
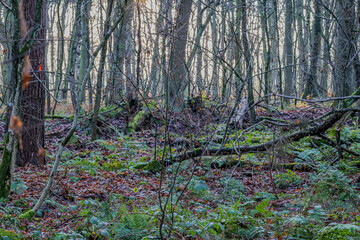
[5,170]
[10,141]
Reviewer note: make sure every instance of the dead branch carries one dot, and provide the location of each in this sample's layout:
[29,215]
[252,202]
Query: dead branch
[312,131]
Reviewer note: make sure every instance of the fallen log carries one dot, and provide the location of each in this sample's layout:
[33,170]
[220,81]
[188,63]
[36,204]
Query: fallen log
[296,136]
[196,154]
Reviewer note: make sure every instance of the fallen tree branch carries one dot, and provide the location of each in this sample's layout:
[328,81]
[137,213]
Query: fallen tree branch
[332,143]
[316,130]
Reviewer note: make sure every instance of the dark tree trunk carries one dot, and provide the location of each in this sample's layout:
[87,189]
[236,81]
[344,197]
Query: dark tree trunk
[312,85]
[343,46]
[33,97]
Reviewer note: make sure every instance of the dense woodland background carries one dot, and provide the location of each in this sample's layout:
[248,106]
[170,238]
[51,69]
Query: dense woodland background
[179,119]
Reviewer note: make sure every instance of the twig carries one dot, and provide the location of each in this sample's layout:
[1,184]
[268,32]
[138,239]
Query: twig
[6,6]
[332,143]
[319,100]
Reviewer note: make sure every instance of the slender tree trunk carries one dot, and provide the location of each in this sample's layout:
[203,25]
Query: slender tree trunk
[248,60]
[238,54]
[274,51]
[266,46]
[155,62]
[128,51]
[99,82]
[60,51]
[164,56]
[72,55]
[215,72]
[312,86]
[326,55]
[225,77]
[199,81]
[52,56]
[289,50]
[85,42]
[302,69]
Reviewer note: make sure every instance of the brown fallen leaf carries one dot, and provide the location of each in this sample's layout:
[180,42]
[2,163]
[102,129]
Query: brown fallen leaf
[16,126]
[41,156]
[26,72]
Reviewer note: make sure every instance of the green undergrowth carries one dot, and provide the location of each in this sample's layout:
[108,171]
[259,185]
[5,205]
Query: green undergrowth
[295,191]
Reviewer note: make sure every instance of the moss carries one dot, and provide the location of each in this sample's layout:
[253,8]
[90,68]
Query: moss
[140,165]
[136,119]
[114,165]
[9,234]
[296,166]
[153,166]
[20,203]
[355,164]
[5,170]
[27,215]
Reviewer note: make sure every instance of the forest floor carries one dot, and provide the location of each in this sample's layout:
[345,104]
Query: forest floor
[102,190]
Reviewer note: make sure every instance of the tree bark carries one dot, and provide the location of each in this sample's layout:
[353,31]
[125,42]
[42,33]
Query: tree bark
[60,51]
[99,82]
[312,86]
[248,60]
[177,56]
[343,46]
[72,55]
[10,149]
[33,97]
[288,50]
[85,40]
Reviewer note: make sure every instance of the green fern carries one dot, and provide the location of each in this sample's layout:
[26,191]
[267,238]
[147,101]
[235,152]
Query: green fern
[132,225]
[340,231]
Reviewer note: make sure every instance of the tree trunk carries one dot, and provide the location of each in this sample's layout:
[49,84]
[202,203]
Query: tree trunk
[312,86]
[289,50]
[239,81]
[128,47]
[215,73]
[177,56]
[10,149]
[343,46]
[302,69]
[326,55]
[248,60]
[155,63]
[274,51]
[99,82]
[60,51]
[33,97]
[72,55]
[85,40]
[199,81]
[266,46]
